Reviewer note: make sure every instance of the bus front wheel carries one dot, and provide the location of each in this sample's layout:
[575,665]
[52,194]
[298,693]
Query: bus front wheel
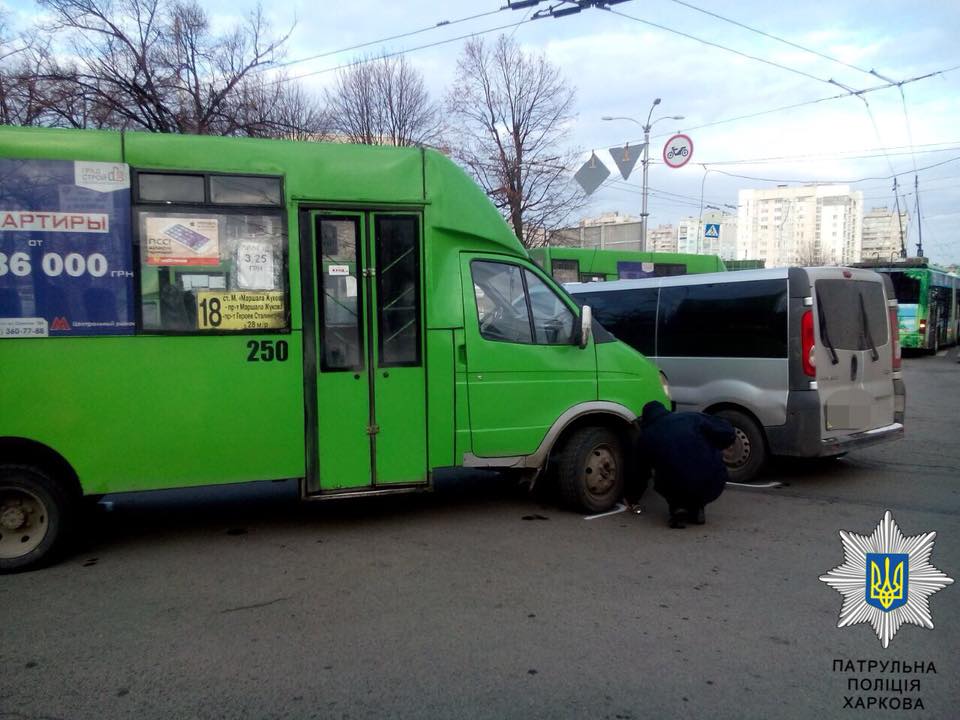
[590,470]
[34,515]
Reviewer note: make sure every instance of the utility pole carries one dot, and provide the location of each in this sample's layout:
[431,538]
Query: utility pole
[646,169]
[896,199]
[916,194]
[646,161]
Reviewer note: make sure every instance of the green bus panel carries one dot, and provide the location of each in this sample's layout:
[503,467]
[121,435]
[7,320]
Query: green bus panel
[157,412]
[441,398]
[56,144]
[602,264]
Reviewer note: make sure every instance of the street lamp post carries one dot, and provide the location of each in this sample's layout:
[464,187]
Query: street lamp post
[646,160]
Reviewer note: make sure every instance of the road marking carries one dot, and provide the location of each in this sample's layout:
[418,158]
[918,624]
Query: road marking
[620,507]
[756,485]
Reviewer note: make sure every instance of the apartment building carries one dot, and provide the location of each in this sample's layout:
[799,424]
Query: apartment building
[806,225]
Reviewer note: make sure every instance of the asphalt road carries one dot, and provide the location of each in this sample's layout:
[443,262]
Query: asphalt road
[478,602]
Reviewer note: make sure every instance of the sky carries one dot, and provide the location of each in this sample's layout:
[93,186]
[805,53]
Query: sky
[619,62]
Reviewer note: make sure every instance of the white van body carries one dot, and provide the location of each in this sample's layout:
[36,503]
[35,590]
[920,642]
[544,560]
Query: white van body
[802,361]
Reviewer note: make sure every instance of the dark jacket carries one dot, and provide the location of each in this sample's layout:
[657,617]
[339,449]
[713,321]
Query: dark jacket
[685,451]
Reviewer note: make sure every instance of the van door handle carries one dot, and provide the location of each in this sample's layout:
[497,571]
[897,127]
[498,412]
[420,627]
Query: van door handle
[853,367]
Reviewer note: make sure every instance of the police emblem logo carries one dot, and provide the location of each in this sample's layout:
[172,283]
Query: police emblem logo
[886,579]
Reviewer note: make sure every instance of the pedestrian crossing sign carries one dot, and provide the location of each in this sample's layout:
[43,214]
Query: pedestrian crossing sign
[712,231]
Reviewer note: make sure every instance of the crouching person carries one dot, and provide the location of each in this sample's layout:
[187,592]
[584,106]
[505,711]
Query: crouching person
[684,451]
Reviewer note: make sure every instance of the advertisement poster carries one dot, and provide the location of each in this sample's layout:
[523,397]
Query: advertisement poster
[66,266]
[182,240]
[240,310]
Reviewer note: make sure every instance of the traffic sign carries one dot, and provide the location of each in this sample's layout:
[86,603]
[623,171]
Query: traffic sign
[626,157]
[712,231]
[678,150]
[592,174]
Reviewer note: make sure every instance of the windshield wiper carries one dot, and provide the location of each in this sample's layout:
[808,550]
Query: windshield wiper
[874,355]
[825,335]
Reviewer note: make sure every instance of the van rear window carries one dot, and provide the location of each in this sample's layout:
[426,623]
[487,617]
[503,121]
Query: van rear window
[854,313]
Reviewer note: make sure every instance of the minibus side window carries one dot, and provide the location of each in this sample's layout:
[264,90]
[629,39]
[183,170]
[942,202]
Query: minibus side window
[501,302]
[552,320]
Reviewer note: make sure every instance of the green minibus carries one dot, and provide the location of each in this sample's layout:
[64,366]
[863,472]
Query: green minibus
[178,311]
[573,264]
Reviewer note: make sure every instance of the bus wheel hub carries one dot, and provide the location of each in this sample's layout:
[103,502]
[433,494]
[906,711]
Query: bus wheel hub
[12,518]
[601,470]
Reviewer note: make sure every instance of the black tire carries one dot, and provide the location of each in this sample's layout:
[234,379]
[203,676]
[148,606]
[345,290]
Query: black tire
[590,470]
[36,513]
[747,455]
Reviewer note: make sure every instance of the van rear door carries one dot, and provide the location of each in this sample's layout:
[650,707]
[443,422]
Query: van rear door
[853,352]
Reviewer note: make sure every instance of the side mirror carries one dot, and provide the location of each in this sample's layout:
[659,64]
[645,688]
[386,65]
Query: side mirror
[586,326]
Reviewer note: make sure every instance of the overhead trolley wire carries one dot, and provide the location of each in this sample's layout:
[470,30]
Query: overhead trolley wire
[364,61]
[815,101]
[773,37]
[834,182]
[360,46]
[721,47]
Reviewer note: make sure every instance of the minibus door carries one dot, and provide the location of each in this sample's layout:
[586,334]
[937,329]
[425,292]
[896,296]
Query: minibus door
[369,416]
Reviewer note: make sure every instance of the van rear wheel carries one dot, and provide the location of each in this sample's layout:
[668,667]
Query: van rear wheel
[590,470]
[749,452]
[34,515]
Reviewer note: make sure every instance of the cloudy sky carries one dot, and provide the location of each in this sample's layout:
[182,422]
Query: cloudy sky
[619,64]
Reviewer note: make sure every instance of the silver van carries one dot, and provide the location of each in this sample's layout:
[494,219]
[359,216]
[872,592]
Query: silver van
[802,361]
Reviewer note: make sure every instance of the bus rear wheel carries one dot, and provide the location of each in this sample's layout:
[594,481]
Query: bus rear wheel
[34,514]
[590,470]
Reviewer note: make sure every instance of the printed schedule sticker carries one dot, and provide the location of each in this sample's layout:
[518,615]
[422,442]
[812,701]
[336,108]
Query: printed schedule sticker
[240,310]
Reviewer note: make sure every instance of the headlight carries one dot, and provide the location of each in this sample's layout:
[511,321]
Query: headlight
[665,385]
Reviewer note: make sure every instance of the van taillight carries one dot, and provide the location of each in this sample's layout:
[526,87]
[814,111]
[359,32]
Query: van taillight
[923,326]
[808,348]
[895,335]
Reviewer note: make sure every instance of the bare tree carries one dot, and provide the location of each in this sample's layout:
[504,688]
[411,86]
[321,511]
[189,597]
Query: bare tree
[21,90]
[275,107]
[512,110]
[157,65]
[383,101]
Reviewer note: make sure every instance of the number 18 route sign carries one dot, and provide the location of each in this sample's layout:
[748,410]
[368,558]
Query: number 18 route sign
[678,150]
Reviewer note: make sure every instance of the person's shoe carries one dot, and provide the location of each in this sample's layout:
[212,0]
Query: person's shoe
[698,517]
[678,519]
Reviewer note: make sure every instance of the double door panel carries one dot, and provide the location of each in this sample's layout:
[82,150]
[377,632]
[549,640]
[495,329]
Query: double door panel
[371,393]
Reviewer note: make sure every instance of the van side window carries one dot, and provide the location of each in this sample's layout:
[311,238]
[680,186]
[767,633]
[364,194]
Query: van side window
[631,315]
[734,319]
[552,320]
[501,302]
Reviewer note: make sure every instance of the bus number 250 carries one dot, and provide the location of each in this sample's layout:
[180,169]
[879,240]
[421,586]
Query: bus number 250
[267,350]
